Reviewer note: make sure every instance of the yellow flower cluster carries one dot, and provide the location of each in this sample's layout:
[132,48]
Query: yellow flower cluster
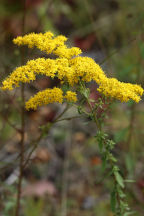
[71,96]
[47,43]
[45,97]
[111,87]
[86,69]
[48,96]
[28,72]
[67,67]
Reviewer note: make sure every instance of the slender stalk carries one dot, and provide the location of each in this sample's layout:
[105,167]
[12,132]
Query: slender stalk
[94,115]
[131,124]
[21,168]
[61,114]
[65,177]
[21,155]
[69,118]
[35,142]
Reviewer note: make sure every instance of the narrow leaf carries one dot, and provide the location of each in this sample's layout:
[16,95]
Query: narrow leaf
[129,181]
[129,213]
[119,179]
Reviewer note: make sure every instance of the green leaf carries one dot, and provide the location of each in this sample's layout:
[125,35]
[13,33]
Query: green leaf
[129,213]
[121,193]
[110,144]
[79,110]
[119,179]
[129,181]
[112,158]
[86,93]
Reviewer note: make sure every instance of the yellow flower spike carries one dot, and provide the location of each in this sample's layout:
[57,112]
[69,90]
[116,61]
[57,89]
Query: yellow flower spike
[71,96]
[44,42]
[111,87]
[28,72]
[45,97]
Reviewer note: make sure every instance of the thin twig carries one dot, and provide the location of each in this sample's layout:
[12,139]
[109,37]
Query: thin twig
[69,118]
[59,116]
[9,123]
[65,176]
[35,142]
[17,212]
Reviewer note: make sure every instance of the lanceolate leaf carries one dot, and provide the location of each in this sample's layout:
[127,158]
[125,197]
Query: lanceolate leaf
[119,179]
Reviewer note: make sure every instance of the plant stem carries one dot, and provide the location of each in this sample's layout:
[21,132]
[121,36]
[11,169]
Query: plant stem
[65,175]
[69,118]
[21,155]
[94,115]
[21,168]
[131,124]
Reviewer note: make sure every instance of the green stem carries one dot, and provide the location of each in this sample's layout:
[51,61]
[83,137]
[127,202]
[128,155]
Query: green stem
[94,116]
[21,168]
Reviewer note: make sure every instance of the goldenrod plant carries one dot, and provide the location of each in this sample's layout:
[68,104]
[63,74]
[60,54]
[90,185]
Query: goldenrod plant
[74,72]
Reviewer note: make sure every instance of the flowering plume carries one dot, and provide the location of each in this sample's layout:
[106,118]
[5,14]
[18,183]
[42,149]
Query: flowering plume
[68,67]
